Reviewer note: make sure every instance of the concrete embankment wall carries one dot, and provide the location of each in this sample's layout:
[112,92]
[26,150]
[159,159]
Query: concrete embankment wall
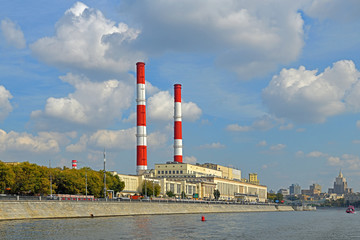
[47,209]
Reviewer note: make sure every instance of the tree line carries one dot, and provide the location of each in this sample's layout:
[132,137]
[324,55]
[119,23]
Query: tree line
[30,179]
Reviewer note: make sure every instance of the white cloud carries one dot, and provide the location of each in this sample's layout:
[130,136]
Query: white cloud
[352,161]
[238,128]
[120,139]
[79,146]
[191,160]
[305,96]
[5,105]
[334,161]
[157,139]
[191,112]
[84,39]
[348,161]
[262,143]
[316,154]
[115,140]
[263,123]
[13,34]
[287,127]
[160,107]
[250,38]
[337,9]
[277,147]
[358,123]
[299,154]
[43,143]
[213,145]
[92,103]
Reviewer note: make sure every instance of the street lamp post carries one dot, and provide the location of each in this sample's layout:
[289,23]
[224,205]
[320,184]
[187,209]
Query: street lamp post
[104,176]
[86,183]
[50,179]
[153,189]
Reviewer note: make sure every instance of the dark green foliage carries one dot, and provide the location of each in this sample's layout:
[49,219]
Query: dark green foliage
[272,197]
[7,177]
[183,195]
[216,194]
[170,194]
[30,179]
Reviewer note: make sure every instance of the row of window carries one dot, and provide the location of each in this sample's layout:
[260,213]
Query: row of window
[173,172]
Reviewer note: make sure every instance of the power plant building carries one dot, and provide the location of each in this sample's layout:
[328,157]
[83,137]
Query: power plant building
[193,181]
[196,179]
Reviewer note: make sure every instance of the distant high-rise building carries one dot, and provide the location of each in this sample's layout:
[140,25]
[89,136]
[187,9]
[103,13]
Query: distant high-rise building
[284,192]
[315,189]
[295,189]
[340,185]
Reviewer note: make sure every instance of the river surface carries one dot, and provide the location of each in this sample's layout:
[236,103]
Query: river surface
[320,224]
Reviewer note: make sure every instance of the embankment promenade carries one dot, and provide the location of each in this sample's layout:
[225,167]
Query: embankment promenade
[13,210]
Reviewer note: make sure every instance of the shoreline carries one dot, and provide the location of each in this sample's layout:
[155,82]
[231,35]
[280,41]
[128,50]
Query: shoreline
[20,210]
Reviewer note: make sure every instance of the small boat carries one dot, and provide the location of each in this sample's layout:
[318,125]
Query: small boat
[350,209]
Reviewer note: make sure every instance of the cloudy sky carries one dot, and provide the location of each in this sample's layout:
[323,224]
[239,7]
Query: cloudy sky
[268,87]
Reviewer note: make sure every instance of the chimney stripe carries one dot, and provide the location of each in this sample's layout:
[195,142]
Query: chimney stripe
[177,124]
[141,149]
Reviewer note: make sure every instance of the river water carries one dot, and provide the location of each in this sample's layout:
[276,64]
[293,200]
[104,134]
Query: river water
[320,224]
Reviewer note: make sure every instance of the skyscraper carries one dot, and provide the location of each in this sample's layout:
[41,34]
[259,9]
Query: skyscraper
[295,189]
[340,185]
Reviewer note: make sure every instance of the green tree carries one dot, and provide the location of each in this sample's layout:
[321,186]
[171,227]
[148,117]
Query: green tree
[7,177]
[113,182]
[31,179]
[170,194]
[70,181]
[152,189]
[271,197]
[279,197]
[183,195]
[216,194]
[95,183]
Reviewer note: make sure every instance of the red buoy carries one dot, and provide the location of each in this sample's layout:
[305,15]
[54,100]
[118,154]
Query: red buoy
[202,218]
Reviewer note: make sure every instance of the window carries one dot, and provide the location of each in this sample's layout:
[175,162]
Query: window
[162,172]
[181,171]
[158,172]
[174,172]
[177,172]
[165,172]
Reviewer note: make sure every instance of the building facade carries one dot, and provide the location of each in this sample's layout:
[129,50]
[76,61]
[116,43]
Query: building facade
[295,189]
[340,185]
[195,180]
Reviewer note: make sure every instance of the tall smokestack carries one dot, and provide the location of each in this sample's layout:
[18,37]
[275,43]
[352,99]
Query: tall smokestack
[177,124]
[74,164]
[141,151]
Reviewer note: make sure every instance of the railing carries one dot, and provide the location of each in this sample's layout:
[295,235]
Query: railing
[124,200]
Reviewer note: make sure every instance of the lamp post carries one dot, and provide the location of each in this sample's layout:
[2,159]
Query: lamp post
[86,183]
[153,189]
[104,176]
[50,179]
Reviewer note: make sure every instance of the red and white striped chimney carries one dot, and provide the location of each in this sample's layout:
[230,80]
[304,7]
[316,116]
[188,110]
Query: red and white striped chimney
[177,124]
[141,151]
[74,164]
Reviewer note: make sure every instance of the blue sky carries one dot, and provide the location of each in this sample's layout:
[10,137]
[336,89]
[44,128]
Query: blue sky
[271,88]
